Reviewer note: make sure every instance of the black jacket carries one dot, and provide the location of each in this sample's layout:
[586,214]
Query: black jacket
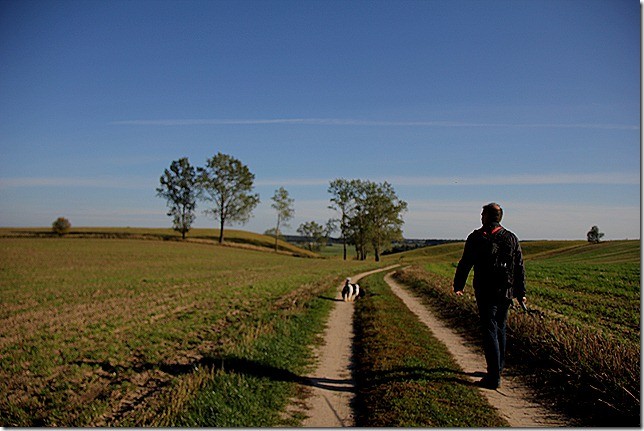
[487,283]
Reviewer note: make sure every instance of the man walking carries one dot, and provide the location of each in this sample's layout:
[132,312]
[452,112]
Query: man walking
[499,275]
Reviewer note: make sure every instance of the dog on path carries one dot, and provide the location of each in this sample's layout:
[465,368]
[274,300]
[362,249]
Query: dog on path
[351,291]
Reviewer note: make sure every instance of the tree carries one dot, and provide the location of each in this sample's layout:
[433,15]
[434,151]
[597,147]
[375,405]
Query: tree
[330,227]
[594,235]
[61,226]
[178,188]
[228,185]
[370,215]
[314,232]
[382,210]
[359,223]
[283,204]
[342,200]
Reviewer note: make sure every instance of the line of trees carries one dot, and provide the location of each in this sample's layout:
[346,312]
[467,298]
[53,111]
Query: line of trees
[370,213]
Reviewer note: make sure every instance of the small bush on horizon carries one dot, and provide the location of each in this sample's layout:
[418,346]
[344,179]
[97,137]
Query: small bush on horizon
[61,226]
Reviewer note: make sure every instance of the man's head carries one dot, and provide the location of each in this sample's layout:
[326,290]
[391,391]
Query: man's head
[492,213]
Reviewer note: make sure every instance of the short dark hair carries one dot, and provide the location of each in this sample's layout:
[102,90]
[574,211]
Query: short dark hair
[494,211]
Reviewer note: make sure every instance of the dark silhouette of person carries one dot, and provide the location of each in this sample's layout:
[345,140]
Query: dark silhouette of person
[499,276]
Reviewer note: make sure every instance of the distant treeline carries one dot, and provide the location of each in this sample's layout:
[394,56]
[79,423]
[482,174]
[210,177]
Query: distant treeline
[396,247]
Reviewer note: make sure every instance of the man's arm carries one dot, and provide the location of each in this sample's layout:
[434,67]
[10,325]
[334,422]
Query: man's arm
[519,289]
[464,267]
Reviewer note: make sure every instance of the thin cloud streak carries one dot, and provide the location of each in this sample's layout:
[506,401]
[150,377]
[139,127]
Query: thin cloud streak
[357,122]
[115,183]
[520,180]
[508,180]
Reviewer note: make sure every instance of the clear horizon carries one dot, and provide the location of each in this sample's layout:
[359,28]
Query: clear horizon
[531,104]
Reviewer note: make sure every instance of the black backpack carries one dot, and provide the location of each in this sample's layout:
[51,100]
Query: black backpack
[498,260]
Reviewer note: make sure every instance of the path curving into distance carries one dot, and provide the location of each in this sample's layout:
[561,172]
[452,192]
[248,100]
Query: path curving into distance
[333,387]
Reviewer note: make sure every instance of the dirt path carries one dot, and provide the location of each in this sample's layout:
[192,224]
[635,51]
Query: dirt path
[333,387]
[512,400]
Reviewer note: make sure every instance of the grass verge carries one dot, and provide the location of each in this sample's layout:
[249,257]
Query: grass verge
[405,376]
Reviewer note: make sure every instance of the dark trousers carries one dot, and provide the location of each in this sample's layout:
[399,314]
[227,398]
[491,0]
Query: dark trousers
[493,315]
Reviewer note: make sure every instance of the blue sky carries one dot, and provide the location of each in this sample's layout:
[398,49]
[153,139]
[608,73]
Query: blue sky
[532,104]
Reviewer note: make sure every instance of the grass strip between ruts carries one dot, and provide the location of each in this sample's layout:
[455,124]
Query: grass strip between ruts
[404,375]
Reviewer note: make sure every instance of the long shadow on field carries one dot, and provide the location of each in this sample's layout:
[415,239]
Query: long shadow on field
[258,369]
[228,364]
[328,298]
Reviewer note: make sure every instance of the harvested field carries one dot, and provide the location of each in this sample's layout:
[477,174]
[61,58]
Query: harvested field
[94,330]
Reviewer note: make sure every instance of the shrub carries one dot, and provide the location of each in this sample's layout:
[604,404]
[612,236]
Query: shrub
[61,226]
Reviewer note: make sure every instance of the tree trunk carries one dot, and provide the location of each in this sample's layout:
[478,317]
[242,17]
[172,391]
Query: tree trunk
[344,247]
[277,230]
[221,231]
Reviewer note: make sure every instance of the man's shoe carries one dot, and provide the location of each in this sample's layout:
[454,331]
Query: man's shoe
[489,383]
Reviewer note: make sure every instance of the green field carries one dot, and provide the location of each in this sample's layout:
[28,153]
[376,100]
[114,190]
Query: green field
[132,327]
[100,331]
[593,284]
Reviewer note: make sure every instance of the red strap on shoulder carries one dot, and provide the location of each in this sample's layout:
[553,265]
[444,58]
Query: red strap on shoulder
[495,230]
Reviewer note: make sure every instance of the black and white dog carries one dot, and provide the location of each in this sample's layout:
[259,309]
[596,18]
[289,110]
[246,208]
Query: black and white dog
[351,291]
